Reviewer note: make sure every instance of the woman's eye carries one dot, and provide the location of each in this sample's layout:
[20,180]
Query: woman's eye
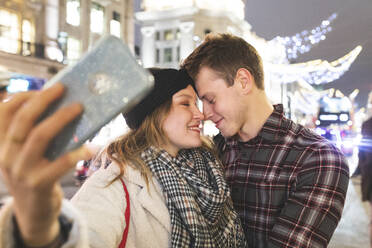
[185,104]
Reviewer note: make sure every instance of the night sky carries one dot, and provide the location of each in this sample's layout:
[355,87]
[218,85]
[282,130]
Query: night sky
[352,27]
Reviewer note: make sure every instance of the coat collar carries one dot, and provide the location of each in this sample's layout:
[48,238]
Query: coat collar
[151,198]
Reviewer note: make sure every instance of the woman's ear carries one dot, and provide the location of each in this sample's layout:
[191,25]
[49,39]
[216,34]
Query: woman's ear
[245,80]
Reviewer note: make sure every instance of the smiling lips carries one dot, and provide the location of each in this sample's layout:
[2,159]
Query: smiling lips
[196,128]
[217,123]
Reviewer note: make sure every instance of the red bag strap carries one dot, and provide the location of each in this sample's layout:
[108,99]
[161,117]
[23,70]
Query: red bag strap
[127,215]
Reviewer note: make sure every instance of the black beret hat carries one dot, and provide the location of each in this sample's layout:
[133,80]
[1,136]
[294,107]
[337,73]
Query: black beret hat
[167,83]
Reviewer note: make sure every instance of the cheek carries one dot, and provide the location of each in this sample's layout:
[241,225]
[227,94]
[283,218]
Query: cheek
[226,106]
[219,108]
[174,123]
[180,123]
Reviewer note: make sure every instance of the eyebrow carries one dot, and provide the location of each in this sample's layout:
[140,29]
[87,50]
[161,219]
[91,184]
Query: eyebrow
[205,96]
[184,95]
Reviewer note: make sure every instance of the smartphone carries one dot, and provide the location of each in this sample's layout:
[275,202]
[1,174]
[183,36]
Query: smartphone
[107,80]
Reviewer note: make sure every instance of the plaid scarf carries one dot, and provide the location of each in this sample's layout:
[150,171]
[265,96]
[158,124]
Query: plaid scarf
[197,197]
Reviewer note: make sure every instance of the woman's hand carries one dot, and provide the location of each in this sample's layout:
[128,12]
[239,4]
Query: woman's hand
[31,178]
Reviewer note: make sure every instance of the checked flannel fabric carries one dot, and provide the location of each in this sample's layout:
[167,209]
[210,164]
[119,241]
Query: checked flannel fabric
[197,197]
[288,184]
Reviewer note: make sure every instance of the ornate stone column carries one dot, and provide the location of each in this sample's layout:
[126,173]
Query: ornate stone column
[127,23]
[51,30]
[148,46]
[186,39]
[85,24]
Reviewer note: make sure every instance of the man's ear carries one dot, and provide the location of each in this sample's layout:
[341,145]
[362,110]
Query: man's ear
[245,80]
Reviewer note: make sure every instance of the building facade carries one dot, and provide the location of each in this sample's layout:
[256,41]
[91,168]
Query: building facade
[171,30]
[39,37]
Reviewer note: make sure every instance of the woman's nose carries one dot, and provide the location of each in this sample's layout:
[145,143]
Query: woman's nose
[198,115]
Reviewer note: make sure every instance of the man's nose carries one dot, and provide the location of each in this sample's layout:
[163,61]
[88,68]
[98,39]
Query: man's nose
[207,111]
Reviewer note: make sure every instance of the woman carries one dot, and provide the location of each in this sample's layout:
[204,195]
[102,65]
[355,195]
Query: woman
[173,186]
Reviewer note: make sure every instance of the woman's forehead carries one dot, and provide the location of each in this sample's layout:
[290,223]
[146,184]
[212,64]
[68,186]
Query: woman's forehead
[187,92]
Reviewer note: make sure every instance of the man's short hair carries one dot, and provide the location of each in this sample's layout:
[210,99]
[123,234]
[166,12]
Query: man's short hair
[225,54]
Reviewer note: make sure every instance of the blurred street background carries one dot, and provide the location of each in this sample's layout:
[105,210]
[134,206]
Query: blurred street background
[317,58]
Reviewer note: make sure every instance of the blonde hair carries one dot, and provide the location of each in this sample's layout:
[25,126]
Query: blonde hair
[126,151]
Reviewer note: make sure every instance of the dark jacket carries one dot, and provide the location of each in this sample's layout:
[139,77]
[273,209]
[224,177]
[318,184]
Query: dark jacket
[365,160]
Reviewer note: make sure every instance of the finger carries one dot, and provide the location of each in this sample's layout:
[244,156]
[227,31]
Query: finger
[26,116]
[17,155]
[55,170]
[46,130]
[7,110]
[16,101]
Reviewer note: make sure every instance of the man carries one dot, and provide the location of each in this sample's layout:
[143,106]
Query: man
[365,165]
[288,184]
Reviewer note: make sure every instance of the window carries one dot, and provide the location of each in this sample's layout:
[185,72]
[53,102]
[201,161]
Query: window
[73,49]
[137,51]
[96,18]
[27,37]
[73,12]
[62,43]
[115,24]
[9,31]
[168,46]
[168,34]
[157,35]
[168,55]
[178,53]
[157,57]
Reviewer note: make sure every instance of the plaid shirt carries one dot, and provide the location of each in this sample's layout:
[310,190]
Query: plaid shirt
[288,184]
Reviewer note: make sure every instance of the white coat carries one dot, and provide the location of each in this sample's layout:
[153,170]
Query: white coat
[97,212]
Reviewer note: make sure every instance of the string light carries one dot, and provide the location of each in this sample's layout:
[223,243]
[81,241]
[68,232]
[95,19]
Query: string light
[315,71]
[303,41]
[279,52]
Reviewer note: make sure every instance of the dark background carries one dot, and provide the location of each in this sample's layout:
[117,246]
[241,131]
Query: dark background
[352,27]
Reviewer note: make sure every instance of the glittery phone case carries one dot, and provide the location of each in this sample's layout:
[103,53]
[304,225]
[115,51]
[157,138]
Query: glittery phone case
[107,81]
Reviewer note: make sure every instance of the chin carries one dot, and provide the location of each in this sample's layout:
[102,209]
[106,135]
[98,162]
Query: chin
[227,134]
[194,144]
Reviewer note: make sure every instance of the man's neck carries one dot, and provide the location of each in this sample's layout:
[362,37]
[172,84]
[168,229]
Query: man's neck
[259,110]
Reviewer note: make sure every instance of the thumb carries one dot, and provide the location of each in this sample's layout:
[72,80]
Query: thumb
[63,164]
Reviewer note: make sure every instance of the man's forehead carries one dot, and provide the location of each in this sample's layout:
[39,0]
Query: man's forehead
[206,72]
[204,92]
[200,90]
[205,81]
